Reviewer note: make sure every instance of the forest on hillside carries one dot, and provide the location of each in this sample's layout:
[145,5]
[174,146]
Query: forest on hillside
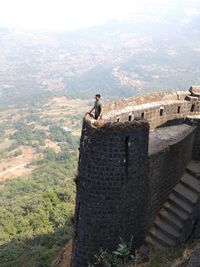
[36,213]
[47,83]
[37,204]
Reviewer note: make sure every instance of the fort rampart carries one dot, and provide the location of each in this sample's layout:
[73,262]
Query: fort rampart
[128,165]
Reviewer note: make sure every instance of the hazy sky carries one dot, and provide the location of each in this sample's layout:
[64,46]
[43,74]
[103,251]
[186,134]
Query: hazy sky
[72,14]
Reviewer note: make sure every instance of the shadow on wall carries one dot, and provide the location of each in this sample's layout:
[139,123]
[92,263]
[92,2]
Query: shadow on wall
[172,122]
[167,165]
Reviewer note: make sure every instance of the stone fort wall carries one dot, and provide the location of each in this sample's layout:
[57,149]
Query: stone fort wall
[112,177]
[157,108]
[166,166]
[196,147]
[121,184]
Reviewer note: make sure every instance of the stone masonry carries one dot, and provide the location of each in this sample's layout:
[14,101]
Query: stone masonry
[127,168]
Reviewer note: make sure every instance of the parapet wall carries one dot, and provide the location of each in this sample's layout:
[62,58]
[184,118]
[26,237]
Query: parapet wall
[143,99]
[156,108]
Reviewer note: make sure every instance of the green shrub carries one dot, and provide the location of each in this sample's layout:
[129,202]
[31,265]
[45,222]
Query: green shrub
[122,256]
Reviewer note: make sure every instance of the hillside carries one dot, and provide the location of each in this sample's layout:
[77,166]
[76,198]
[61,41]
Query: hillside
[155,50]
[29,135]
[47,83]
[38,159]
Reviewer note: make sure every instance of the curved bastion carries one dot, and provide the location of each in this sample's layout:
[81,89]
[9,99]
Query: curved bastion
[129,163]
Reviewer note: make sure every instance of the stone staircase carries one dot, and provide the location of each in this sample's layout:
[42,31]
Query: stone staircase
[175,221]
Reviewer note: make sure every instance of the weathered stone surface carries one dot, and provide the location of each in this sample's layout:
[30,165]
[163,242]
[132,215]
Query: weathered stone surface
[180,223]
[194,259]
[112,188]
[194,167]
[195,90]
[164,137]
[157,108]
[123,181]
[191,182]
[170,150]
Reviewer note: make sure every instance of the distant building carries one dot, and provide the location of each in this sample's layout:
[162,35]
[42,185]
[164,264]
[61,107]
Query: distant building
[67,129]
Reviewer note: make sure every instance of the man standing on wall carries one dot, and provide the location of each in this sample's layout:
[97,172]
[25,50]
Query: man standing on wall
[97,107]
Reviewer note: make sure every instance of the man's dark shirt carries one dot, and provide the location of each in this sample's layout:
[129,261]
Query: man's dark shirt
[97,108]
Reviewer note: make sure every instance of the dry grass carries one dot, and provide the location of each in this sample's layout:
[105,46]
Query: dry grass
[64,258]
[28,155]
[5,144]
[76,132]
[58,108]
[53,145]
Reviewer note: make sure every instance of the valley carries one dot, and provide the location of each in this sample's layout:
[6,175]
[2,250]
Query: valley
[47,84]
[19,153]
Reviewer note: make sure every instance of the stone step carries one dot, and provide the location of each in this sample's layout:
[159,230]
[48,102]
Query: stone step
[185,193]
[155,243]
[180,203]
[194,168]
[174,210]
[162,237]
[168,229]
[171,219]
[192,182]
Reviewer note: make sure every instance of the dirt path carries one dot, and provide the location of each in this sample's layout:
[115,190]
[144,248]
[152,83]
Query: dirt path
[14,168]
